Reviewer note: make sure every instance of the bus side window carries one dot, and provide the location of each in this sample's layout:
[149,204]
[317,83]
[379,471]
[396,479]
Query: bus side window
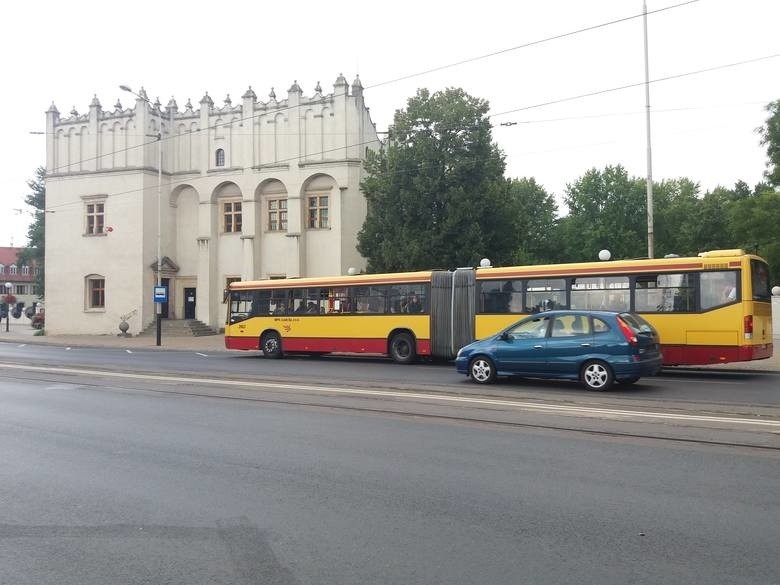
[717,288]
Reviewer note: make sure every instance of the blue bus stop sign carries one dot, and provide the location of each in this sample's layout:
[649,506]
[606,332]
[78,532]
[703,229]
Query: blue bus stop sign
[160,294]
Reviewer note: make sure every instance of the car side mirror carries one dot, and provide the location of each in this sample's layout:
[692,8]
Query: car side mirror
[505,336]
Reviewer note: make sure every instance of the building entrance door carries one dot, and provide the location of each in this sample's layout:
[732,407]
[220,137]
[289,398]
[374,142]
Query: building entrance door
[166,282]
[189,303]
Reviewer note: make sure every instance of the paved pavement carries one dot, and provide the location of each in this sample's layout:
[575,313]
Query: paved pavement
[21,332]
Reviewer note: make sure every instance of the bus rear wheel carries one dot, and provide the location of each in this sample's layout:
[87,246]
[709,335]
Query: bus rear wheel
[271,344]
[402,348]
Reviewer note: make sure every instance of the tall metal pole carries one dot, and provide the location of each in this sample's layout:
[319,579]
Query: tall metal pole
[650,244]
[159,230]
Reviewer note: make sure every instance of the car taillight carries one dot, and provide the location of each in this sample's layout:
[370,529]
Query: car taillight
[628,333]
[748,326]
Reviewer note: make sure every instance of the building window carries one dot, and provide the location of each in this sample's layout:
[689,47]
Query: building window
[25,270]
[96,292]
[220,157]
[318,211]
[37,271]
[13,269]
[21,289]
[2,269]
[231,214]
[277,215]
[95,218]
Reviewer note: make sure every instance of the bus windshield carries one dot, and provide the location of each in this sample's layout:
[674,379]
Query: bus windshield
[759,277]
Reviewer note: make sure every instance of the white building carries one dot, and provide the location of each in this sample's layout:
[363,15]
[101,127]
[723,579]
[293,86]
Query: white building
[249,191]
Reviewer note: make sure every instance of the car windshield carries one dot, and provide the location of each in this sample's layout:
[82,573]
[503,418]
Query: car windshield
[637,323]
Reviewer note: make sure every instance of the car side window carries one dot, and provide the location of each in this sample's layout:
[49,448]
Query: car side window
[530,329]
[570,326]
[599,326]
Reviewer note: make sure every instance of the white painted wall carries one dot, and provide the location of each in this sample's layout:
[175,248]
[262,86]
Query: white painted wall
[293,145]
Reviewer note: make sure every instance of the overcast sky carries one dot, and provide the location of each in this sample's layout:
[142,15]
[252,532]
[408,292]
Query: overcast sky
[703,125]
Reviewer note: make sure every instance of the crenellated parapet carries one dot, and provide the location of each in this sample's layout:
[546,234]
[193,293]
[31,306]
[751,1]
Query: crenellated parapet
[103,140]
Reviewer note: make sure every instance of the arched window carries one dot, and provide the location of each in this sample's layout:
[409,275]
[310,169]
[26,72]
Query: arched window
[25,270]
[13,268]
[220,157]
[2,269]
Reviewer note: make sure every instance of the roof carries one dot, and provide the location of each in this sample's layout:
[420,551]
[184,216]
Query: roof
[9,256]
[336,281]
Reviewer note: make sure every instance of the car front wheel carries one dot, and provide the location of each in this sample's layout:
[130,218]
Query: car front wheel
[482,370]
[596,375]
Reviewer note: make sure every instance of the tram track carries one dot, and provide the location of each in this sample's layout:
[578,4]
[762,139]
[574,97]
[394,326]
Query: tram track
[327,402]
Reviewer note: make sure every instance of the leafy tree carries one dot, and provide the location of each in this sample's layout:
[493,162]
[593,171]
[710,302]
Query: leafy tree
[436,194]
[534,221]
[770,137]
[754,224]
[675,206]
[36,243]
[606,210]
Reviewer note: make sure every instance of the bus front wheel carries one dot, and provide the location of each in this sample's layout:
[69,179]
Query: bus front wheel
[402,348]
[271,344]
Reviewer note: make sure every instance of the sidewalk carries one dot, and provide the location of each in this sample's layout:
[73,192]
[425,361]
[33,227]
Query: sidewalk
[21,332]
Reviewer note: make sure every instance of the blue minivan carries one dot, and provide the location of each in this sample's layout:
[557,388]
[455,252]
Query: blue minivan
[598,348]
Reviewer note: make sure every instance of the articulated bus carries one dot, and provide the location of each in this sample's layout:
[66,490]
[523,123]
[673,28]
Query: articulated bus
[713,308]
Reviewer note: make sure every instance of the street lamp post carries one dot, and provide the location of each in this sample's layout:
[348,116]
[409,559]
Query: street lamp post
[8,286]
[158,305]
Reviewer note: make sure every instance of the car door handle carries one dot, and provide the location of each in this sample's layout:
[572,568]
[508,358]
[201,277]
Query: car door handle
[538,346]
[585,344]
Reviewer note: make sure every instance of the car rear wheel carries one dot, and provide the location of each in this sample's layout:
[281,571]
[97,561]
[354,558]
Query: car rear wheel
[482,370]
[271,344]
[628,380]
[596,375]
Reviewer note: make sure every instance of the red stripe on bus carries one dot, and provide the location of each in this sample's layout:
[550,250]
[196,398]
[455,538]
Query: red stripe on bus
[246,343]
[326,345]
[697,355]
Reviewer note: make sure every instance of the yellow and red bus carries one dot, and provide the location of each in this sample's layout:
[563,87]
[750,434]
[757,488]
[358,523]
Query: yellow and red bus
[713,308]
[403,315]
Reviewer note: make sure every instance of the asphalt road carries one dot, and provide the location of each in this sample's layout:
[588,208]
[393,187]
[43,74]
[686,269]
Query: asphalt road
[134,480]
[748,390]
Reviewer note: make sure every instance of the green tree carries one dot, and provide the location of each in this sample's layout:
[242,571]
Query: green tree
[534,221]
[436,194]
[36,233]
[754,224]
[606,210]
[770,137]
[675,206]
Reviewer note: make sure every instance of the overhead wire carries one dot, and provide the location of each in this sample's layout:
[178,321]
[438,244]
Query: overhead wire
[387,82]
[533,106]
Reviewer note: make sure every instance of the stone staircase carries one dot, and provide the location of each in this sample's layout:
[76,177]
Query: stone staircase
[178,328]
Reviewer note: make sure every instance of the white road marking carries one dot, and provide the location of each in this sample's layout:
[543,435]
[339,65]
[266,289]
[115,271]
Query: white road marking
[551,408]
[67,349]
[203,354]
[22,345]
[689,381]
[128,351]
